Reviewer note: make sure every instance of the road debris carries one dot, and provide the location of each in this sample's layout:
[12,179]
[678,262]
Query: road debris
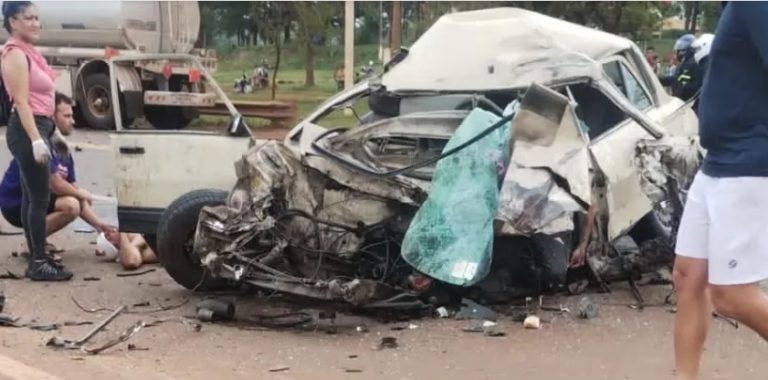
[91,279]
[9,321]
[532,322]
[556,309]
[133,274]
[578,287]
[149,311]
[127,334]
[442,312]
[487,328]
[141,304]
[352,356]
[77,344]
[353,370]
[281,368]
[388,342]
[211,310]
[133,347]
[43,326]
[2,300]
[76,323]
[363,329]
[473,310]
[8,275]
[587,309]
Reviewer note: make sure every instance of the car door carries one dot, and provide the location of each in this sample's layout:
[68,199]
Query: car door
[153,168]
[613,149]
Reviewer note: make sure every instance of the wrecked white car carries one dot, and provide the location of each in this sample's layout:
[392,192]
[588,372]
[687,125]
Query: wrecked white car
[323,214]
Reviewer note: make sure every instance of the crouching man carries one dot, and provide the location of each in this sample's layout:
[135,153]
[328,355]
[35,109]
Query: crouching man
[68,200]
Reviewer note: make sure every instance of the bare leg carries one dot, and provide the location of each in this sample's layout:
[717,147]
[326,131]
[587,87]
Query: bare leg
[747,304]
[130,256]
[65,212]
[693,315]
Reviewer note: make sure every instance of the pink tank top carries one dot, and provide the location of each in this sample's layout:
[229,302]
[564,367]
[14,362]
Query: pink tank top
[41,85]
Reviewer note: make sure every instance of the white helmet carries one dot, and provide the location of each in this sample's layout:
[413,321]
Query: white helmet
[702,46]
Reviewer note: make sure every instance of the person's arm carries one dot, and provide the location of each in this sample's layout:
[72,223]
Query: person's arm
[753,16]
[579,255]
[62,188]
[87,214]
[16,69]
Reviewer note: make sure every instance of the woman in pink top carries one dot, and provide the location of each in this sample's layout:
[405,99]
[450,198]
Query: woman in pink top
[30,83]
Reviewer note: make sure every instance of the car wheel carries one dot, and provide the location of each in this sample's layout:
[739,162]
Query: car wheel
[649,227]
[175,233]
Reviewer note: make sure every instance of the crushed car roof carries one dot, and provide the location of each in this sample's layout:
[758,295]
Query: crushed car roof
[500,48]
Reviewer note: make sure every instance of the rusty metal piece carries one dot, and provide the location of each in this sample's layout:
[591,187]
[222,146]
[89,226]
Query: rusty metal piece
[133,274]
[127,334]
[215,310]
[73,345]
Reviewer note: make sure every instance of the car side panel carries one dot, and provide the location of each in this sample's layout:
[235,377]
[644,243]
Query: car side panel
[152,168]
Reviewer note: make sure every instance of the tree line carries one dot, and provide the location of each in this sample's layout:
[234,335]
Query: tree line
[313,25]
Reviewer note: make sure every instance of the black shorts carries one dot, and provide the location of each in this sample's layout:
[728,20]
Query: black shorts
[13,214]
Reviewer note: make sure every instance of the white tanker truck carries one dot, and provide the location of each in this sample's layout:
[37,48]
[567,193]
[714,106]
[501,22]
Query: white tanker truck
[79,37]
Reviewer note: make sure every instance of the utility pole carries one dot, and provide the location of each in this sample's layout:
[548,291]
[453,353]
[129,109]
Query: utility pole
[396,24]
[349,43]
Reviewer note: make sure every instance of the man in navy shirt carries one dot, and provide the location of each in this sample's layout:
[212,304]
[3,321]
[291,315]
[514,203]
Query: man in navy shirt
[722,244]
[68,200]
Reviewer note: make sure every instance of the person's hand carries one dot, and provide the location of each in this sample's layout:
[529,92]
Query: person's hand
[60,145]
[106,228]
[41,152]
[85,196]
[579,256]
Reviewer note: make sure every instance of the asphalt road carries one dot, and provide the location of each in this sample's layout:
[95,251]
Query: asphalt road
[621,343]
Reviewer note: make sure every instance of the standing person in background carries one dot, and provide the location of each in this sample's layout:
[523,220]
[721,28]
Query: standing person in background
[701,48]
[687,78]
[653,59]
[30,83]
[722,248]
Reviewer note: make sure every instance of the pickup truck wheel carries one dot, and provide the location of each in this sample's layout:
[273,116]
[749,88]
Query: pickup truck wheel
[175,233]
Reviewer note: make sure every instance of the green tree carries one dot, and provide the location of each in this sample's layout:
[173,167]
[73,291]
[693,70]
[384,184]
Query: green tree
[274,16]
[313,24]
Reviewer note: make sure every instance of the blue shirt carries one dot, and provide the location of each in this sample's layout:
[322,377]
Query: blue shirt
[10,187]
[733,111]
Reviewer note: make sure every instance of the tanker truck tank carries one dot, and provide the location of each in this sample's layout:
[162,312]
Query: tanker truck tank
[142,26]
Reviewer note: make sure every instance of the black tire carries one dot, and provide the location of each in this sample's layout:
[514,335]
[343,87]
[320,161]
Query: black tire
[171,117]
[96,103]
[384,103]
[649,227]
[174,233]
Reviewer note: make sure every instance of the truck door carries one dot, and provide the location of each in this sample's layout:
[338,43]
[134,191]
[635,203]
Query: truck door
[152,168]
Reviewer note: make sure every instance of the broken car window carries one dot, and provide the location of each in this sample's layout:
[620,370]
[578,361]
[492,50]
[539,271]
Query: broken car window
[595,110]
[625,81]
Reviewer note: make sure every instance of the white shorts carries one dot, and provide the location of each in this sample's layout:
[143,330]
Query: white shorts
[726,222]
